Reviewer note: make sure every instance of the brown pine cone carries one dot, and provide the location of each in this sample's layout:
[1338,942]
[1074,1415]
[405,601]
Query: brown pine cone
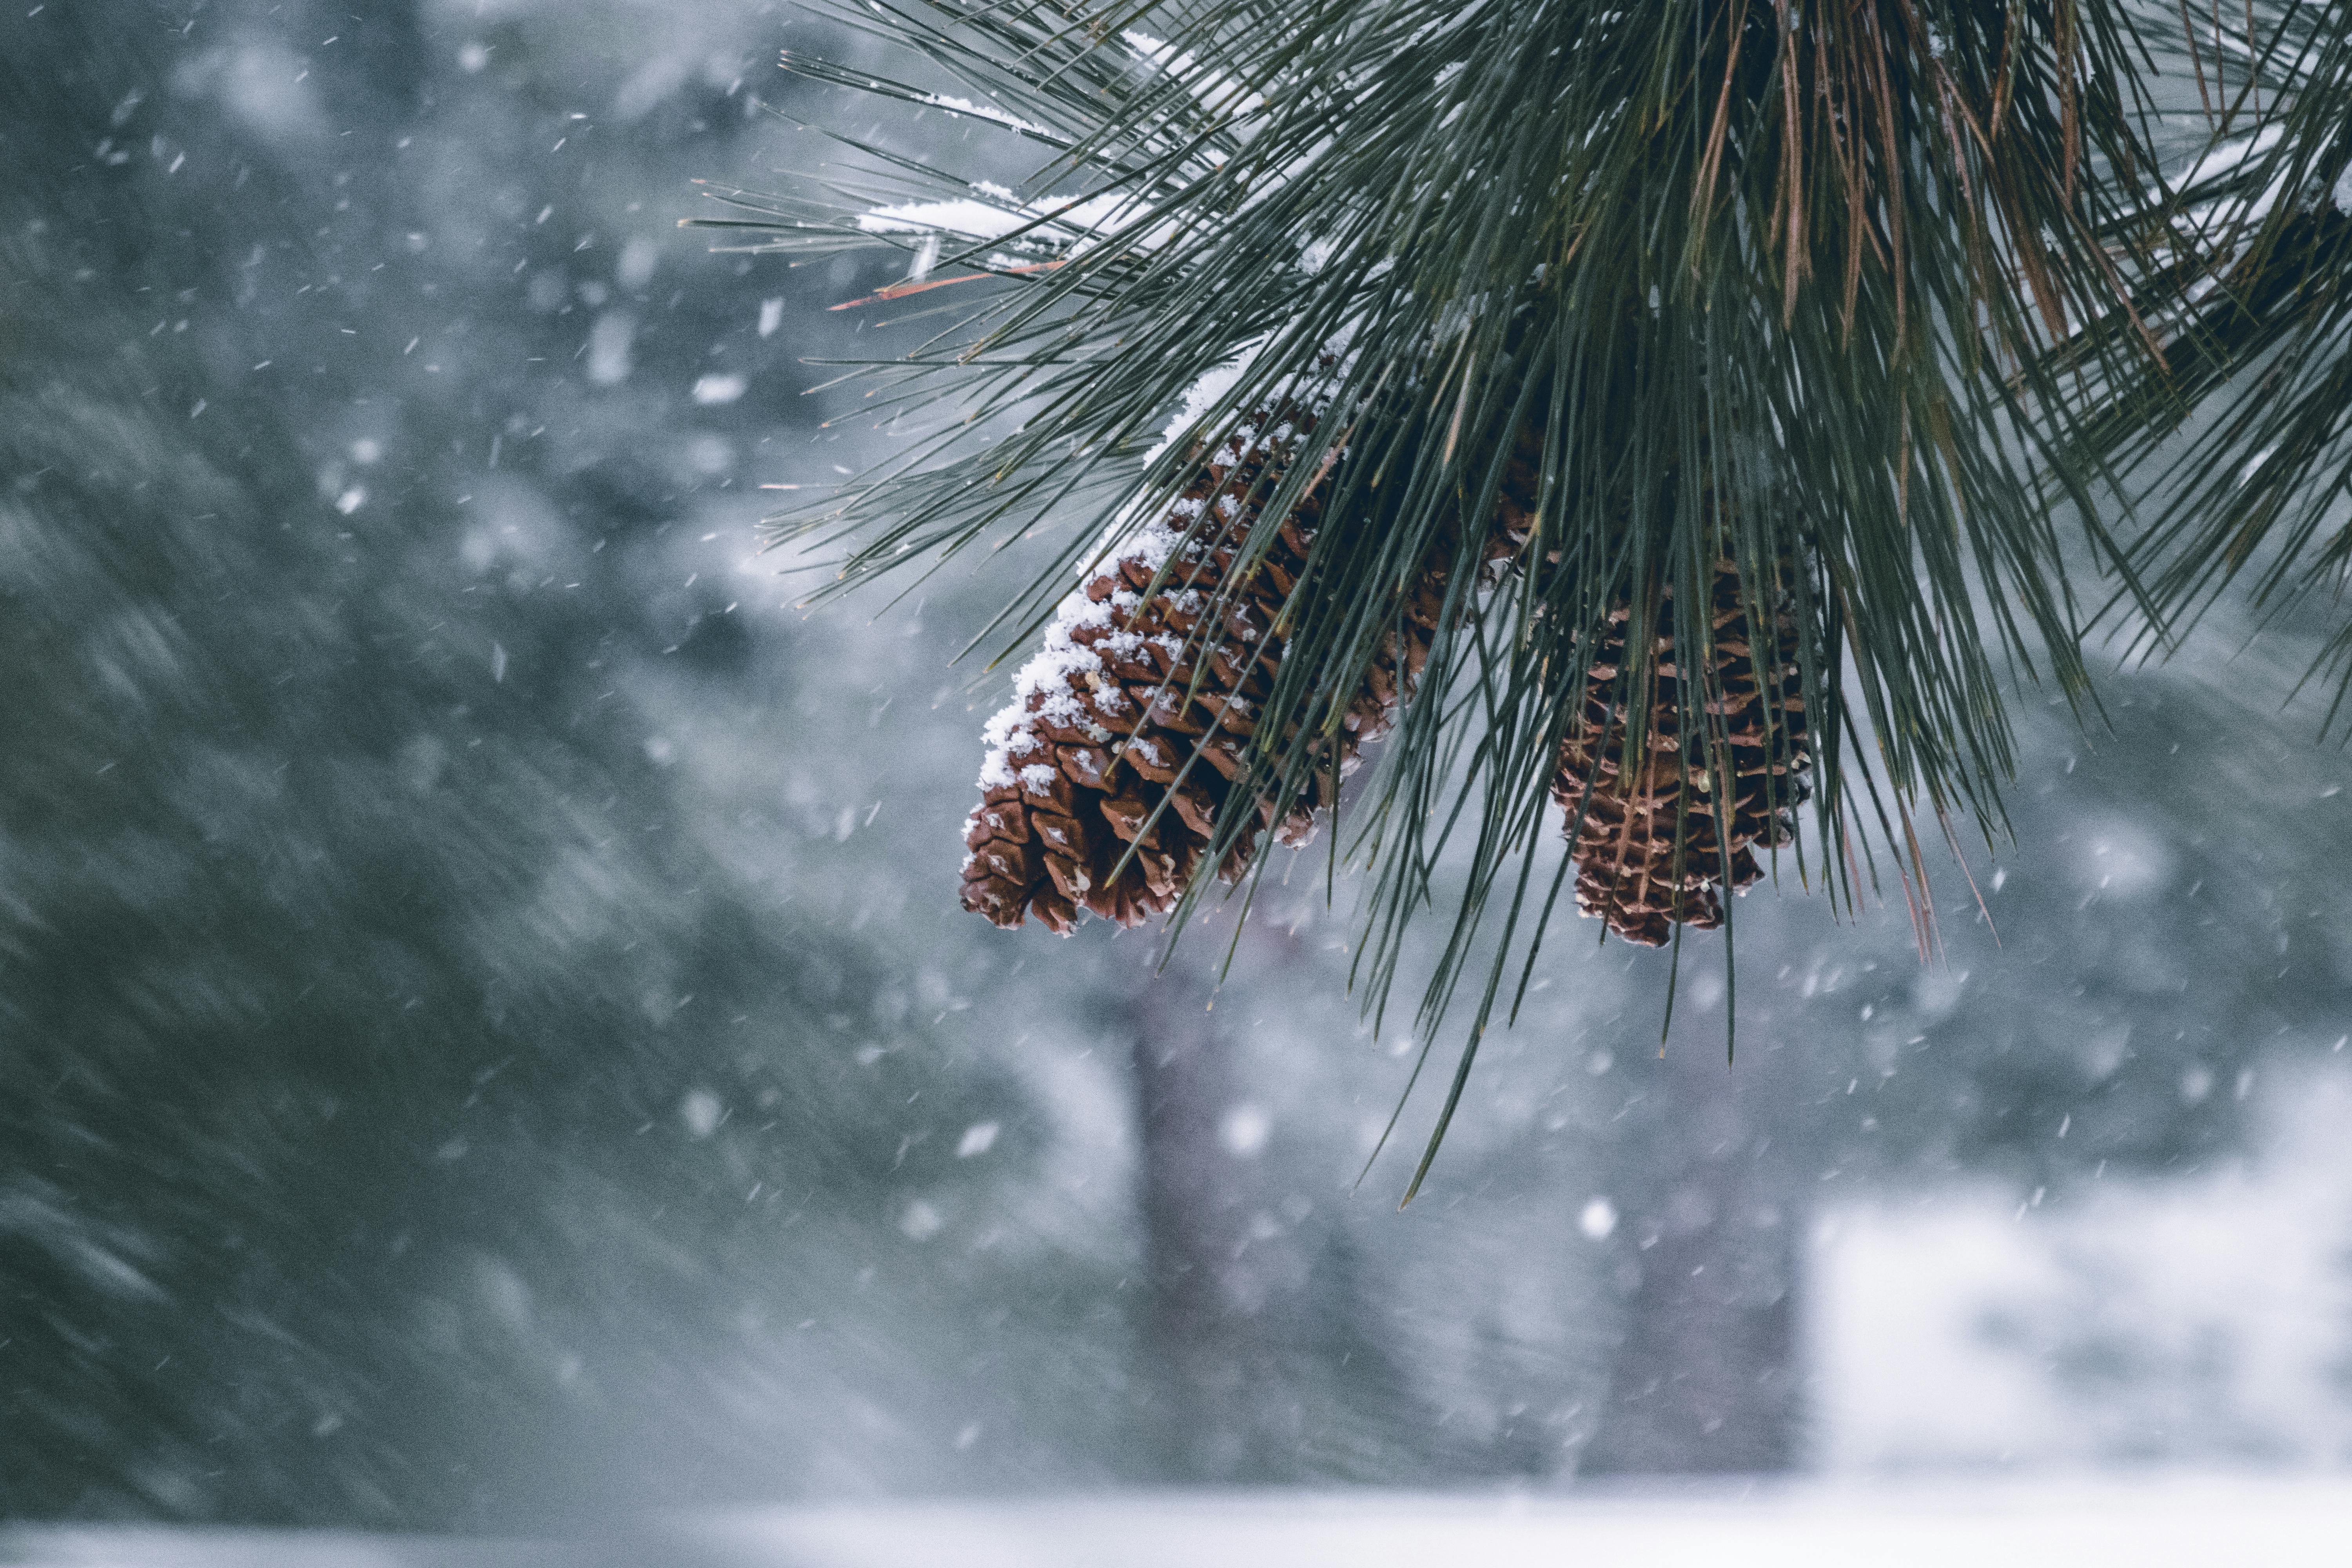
[1109,746]
[1654,843]
[1102,750]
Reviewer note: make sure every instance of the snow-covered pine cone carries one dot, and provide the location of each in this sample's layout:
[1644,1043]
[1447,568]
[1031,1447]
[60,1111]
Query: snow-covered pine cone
[1652,846]
[1100,749]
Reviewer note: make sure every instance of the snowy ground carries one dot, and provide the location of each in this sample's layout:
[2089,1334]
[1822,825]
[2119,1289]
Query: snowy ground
[2195,1323]
[2174,1521]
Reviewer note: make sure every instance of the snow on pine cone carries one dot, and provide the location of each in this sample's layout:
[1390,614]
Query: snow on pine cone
[1652,838]
[1101,759]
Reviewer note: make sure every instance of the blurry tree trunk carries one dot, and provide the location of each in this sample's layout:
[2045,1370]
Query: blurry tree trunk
[1226,1299]
[1705,1380]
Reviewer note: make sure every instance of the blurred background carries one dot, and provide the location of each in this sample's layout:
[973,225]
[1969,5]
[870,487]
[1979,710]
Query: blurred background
[487,1043]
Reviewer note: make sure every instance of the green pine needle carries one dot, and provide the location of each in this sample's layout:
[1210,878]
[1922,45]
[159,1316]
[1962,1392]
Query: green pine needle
[1796,287]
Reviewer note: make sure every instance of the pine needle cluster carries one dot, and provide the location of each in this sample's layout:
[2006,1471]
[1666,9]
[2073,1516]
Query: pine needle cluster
[1713,386]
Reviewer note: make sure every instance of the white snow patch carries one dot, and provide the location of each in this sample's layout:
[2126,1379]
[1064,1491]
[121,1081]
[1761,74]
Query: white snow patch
[983,111]
[1244,1129]
[718,389]
[652,82]
[926,255]
[609,342]
[701,1111]
[634,269]
[1203,394]
[264,84]
[2191,1321]
[1216,91]
[1050,226]
[2120,858]
[2228,156]
[2162,1520]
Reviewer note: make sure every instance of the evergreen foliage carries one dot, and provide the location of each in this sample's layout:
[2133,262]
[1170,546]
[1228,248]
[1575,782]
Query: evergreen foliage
[2255,243]
[1861,299]
[403,1093]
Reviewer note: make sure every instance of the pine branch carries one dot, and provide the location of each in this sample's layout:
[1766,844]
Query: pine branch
[1752,285]
[2251,294]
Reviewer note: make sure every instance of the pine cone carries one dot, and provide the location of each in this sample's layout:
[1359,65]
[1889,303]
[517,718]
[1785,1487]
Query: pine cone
[1102,750]
[1654,843]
